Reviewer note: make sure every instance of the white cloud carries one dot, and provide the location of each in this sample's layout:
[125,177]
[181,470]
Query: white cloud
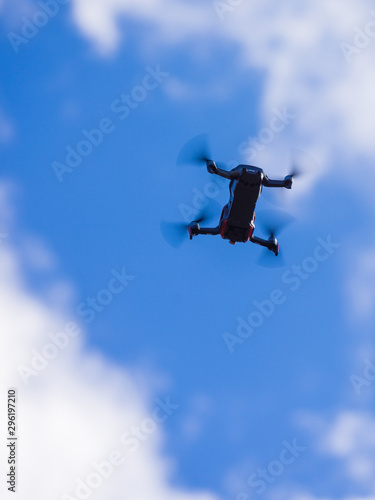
[76,410]
[297,44]
[349,438]
[99,20]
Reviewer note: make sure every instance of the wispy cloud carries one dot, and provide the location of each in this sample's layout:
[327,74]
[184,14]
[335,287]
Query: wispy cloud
[347,437]
[351,439]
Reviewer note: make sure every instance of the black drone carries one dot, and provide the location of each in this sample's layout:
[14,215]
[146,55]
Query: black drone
[237,220]
[237,217]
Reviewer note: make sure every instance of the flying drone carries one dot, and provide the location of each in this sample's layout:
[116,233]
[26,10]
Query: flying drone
[237,220]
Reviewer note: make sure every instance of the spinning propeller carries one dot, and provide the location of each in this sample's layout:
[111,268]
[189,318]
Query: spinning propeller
[196,152]
[303,165]
[297,170]
[175,233]
[273,222]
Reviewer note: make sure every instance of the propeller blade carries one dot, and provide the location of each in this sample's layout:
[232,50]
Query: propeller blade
[174,233]
[210,211]
[296,172]
[296,169]
[303,165]
[269,259]
[303,162]
[273,222]
[195,152]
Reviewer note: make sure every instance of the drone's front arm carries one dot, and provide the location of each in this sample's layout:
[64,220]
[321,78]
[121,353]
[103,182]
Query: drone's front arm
[286,182]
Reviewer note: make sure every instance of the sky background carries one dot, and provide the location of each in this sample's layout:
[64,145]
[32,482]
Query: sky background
[304,379]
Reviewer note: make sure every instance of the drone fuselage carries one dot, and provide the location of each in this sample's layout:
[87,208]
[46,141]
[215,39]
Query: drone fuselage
[238,217]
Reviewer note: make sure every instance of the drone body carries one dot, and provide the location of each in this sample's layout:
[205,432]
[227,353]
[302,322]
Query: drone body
[237,219]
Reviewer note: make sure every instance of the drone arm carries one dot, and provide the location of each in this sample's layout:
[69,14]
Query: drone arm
[259,241]
[271,244]
[286,182]
[195,229]
[213,169]
[209,230]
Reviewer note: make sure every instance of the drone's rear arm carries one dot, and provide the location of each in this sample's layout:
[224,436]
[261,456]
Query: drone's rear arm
[213,169]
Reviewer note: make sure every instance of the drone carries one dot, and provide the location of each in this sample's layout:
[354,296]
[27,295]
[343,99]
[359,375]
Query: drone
[237,220]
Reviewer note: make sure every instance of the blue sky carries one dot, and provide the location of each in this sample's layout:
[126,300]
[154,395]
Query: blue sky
[163,334]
